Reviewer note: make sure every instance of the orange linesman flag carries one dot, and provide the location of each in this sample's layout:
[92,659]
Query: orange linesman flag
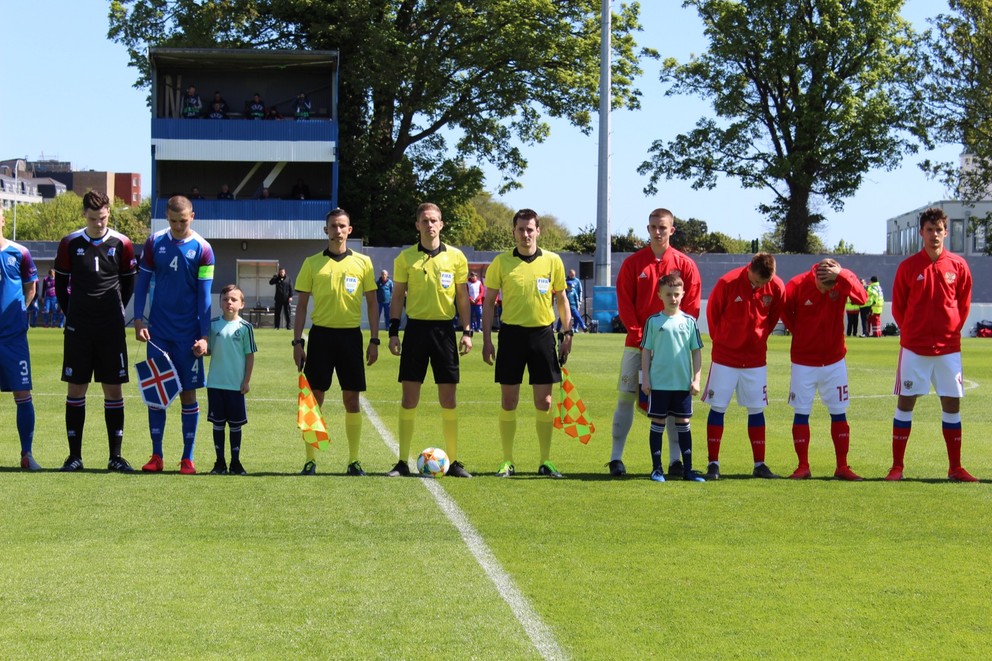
[309,419]
[572,411]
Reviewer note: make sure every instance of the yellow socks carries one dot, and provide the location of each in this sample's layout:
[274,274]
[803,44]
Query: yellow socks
[544,422]
[449,429]
[353,430]
[407,419]
[507,430]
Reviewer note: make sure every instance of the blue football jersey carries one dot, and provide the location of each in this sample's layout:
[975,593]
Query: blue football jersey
[177,269]
[17,269]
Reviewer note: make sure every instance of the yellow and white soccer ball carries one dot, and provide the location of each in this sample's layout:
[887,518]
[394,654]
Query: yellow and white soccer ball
[433,462]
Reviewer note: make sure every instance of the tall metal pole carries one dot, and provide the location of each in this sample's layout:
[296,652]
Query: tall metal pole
[603,274]
[17,194]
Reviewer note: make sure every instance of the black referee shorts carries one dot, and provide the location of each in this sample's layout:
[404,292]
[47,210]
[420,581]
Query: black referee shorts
[533,348]
[339,350]
[429,342]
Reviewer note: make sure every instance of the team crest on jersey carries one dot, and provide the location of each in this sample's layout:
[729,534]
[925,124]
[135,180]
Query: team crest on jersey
[11,260]
[907,384]
[111,252]
[350,284]
[447,278]
[543,285]
[950,277]
[190,254]
[675,272]
[833,295]
[766,300]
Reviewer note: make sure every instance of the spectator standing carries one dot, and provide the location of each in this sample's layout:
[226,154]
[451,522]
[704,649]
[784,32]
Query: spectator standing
[192,106]
[476,297]
[876,302]
[283,297]
[384,295]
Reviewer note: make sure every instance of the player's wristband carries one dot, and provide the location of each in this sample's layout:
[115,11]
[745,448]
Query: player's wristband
[468,333]
[394,328]
[374,340]
[561,335]
[300,341]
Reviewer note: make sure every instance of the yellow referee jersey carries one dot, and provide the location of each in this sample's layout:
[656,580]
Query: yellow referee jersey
[527,287]
[430,281]
[337,284]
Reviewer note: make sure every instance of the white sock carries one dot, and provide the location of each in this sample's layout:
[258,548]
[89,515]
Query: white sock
[623,418]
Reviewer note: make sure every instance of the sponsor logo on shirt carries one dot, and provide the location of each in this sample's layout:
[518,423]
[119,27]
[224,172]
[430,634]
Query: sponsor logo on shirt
[80,251]
[808,302]
[919,277]
[738,300]
[447,278]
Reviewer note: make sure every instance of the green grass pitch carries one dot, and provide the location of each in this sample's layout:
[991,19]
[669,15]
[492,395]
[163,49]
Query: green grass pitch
[279,565]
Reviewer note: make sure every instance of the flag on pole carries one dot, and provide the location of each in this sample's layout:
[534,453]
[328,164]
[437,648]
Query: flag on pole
[158,381]
[572,411]
[309,418]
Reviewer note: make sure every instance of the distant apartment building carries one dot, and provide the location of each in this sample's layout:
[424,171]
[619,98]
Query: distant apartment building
[17,186]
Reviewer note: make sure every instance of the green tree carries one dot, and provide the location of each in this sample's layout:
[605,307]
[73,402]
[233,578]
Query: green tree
[51,220]
[774,241]
[724,244]
[690,235]
[807,96]
[628,242]
[844,248]
[584,242]
[430,89]
[957,87]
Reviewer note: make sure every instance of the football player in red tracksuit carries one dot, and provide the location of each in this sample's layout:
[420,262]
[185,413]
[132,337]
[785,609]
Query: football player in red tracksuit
[742,311]
[637,299]
[814,311]
[931,298]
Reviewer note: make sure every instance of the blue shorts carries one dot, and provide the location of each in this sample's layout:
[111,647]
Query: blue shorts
[663,403]
[226,406]
[15,364]
[189,368]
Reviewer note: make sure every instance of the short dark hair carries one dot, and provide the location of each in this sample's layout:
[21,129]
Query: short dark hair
[95,200]
[526,215]
[671,280]
[229,288]
[427,206]
[874,278]
[763,265]
[337,212]
[661,213]
[179,204]
[933,215]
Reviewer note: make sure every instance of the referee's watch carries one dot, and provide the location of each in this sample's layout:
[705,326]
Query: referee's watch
[300,341]
[468,333]
[374,340]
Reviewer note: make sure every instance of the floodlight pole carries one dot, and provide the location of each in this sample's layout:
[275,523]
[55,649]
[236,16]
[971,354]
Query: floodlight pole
[603,274]
[17,193]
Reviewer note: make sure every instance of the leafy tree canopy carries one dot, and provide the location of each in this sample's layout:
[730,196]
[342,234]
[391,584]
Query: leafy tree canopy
[51,220]
[808,95]
[430,89]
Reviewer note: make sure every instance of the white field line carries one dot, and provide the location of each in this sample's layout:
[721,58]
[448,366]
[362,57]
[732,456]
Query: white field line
[539,633]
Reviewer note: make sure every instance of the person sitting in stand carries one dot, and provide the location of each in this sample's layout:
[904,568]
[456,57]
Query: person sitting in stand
[195,194]
[255,109]
[217,111]
[225,193]
[192,106]
[219,99]
[273,113]
[302,107]
[300,190]
[265,195]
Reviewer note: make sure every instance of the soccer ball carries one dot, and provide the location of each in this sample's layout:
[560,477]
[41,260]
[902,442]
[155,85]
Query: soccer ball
[433,462]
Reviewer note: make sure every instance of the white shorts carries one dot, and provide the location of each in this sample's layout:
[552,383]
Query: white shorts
[751,386]
[915,373]
[630,368]
[829,380]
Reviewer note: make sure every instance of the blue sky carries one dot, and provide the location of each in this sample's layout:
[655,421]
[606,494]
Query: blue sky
[67,94]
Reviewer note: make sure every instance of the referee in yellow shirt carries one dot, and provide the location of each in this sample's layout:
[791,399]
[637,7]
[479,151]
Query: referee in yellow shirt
[432,277]
[338,279]
[529,280]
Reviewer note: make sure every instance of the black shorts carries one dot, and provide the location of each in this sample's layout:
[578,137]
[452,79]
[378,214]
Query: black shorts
[226,406]
[429,341]
[533,348]
[98,354]
[339,350]
[662,403]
